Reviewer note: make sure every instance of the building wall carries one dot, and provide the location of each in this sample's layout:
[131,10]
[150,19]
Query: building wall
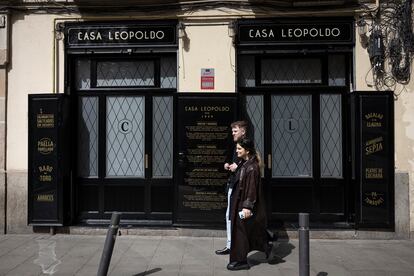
[207,46]
[210,46]
[404,138]
[30,71]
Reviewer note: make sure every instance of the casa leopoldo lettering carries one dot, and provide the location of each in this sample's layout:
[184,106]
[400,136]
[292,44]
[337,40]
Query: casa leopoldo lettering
[295,32]
[121,35]
[207,108]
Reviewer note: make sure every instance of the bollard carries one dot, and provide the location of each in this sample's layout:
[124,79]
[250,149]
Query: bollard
[303,244]
[109,244]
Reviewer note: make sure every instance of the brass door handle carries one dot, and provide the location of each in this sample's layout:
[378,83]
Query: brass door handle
[269,161]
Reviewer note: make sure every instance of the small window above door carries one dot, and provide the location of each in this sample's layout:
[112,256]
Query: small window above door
[275,71]
[101,73]
[134,73]
[266,71]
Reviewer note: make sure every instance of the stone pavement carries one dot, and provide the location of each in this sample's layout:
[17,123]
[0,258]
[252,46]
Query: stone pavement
[170,255]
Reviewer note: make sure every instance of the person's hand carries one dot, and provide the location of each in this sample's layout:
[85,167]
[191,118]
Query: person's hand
[233,167]
[227,166]
[247,213]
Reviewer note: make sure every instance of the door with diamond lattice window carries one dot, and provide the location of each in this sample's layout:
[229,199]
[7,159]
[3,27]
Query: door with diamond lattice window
[124,156]
[124,138]
[301,139]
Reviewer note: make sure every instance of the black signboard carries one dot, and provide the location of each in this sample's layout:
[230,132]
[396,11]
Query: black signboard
[120,34]
[203,137]
[49,167]
[307,32]
[375,158]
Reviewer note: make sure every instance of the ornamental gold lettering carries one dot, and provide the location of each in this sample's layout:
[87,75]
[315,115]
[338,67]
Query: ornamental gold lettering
[374,173]
[374,199]
[45,169]
[45,198]
[45,146]
[374,124]
[374,119]
[191,108]
[374,115]
[45,178]
[45,121]
[215,108]
[373,148]
[374,145]
[376,202]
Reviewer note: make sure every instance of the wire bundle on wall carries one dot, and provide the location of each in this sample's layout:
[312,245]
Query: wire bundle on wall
[391,43]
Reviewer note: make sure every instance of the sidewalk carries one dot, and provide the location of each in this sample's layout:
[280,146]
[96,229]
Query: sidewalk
[168,255]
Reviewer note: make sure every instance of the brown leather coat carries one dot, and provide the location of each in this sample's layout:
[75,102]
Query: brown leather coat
[248,234]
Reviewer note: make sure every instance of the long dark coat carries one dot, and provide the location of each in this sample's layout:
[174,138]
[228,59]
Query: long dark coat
[248,234]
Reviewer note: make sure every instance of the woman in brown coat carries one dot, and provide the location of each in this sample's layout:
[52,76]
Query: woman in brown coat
[248,214]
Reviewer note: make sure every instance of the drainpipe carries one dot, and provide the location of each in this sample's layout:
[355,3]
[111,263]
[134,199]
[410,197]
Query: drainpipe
[4,60]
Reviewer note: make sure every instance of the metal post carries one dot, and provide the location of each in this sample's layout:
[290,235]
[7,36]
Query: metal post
[303,244]
[109,244]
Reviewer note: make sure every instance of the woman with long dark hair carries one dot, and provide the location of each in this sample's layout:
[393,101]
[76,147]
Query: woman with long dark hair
[248,213]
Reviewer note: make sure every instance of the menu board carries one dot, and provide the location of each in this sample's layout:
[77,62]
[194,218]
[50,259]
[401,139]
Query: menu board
[204,138]
[46,170]
[376,159]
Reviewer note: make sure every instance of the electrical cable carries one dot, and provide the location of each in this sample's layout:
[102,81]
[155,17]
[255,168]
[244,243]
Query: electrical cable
[391,25]
[51,6]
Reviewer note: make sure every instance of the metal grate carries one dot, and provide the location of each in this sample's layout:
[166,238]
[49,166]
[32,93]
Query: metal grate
[162,137]
[291,136]
[88,137]
[291,71]
[125,125]
[331,135]
[125,73]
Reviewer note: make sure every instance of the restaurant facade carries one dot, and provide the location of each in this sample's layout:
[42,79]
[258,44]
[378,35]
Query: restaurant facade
[115,109]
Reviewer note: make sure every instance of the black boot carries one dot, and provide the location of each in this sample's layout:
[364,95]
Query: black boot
[223,251]
[238,265]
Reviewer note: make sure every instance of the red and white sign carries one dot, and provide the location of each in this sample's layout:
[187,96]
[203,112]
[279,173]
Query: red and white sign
[207,78]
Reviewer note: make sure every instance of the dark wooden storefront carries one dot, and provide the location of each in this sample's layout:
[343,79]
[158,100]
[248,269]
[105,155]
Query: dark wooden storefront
[295,78]
[140,148]
[122,88]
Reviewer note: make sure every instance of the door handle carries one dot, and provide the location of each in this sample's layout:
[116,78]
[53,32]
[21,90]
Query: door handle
[269,161]
[146,161]
[181,159]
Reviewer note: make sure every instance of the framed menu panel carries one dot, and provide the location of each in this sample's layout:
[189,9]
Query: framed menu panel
[203,144]
[49,160]
[374,144]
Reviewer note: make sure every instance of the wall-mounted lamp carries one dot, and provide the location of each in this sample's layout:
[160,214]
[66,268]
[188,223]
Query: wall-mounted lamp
[232,29]
[362,26]
[181,30]
[2,21]
[59,30]
[362,31]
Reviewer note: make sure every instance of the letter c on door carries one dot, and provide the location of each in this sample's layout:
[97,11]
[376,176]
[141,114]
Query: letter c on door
[125,126]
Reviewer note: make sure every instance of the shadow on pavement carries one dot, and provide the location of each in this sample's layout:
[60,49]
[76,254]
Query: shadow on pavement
[154,270]
[280,250]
